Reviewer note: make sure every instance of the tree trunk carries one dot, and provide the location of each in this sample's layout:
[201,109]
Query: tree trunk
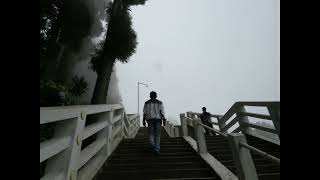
[104,72]
[102,84]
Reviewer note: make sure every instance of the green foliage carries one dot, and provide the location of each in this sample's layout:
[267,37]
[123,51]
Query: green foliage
[79,86]
[77,22]
[134,2]
[50,92]
[121,39]
[66,23]
[96,56]
[49,22]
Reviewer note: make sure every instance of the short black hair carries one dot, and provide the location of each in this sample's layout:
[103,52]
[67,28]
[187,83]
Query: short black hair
[153,95]
[204,108]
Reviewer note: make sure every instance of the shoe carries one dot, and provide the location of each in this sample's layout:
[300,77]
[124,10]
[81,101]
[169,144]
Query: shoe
[156,153]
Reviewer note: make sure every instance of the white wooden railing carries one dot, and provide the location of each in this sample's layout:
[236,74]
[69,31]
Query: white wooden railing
[241,118]
[240,148]
[171,130]
[63,155]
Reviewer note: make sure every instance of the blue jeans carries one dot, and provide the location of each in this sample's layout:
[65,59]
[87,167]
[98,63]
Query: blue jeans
[154,133]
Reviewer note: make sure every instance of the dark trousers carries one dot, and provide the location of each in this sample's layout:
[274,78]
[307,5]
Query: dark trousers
[209,132]
[154,133]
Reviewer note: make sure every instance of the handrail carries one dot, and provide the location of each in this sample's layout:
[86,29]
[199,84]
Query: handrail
[242,117]
[259,103]
[198,143]
[214,130]
[262,153]
[212,115]
[207,127]
[246,167]
[171,130]
[63,151]
[255,115]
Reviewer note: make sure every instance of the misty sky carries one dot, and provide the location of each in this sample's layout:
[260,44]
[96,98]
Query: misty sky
[203,53]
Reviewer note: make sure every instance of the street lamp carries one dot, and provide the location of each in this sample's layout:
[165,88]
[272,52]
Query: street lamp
[138,92]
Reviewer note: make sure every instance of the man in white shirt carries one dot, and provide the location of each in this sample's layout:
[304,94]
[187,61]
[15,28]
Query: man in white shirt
[153,114]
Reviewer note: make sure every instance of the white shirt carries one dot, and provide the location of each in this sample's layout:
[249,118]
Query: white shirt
[153,109]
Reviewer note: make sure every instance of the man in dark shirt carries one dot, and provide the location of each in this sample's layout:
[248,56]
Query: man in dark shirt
[206,119]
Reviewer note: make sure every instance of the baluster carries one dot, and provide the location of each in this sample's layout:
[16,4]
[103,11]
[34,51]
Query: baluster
[242,157]
[184,125]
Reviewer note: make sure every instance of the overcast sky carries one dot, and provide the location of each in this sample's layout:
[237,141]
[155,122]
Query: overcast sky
[203,53]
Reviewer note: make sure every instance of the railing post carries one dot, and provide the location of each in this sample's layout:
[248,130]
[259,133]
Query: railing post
[166,127]
[109,129]
[221,124]
[199,133]
[242,120]
[184,126]
[176,132]
[106,133]
[122,123]
[193,116]
[189,114]
[171,130]
[242,157]
[125,119]
[67,161]
[275,115]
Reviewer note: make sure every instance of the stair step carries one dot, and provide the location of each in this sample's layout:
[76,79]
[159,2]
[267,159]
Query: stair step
[214,137]
[151,165]
[257,162]
[161,140]
[158,174]
[147,150]
[269,176]
[228,163]
[223,157]
[146,138]
[262,161]
[219,149]
[148,145]
[170,154]
[157,159]
[256,155]
[261,169]
[220,153]
[223,144]
[265,169]
[147,142]
[198,178]
[217,142]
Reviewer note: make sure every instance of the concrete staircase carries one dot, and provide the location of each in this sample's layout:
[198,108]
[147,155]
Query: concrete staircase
[133,159]
[219,147]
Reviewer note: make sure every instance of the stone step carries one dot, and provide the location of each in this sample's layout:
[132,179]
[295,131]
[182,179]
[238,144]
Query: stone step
[147,150]
[170,154]
[152,165]
[159,159]
[269,176]
[158,174]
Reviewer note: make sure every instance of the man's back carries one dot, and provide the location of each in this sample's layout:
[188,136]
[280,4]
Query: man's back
[153,113]
[205,117]
[153,109]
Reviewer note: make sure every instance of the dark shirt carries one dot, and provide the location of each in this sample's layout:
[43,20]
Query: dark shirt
[205,118]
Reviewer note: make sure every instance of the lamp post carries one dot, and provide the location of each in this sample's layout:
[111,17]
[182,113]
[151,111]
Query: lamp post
[138,92]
